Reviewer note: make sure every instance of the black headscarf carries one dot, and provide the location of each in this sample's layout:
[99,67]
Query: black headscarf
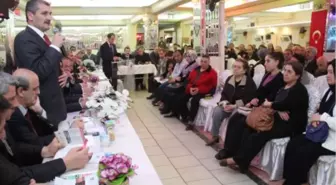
[327,105]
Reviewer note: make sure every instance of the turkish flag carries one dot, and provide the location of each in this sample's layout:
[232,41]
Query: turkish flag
[317,30]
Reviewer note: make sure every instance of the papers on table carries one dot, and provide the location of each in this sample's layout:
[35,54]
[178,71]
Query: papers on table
[158,79]
[79,179]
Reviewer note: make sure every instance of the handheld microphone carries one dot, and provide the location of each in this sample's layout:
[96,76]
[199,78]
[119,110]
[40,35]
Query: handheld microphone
[58,29]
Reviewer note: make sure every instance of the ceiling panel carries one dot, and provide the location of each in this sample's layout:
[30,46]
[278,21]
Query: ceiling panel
[92,17]
[101,3]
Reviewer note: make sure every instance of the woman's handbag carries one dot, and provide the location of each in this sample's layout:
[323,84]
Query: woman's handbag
[317,134]
[260,119]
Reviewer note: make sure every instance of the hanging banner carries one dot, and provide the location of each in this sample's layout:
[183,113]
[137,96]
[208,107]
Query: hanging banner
[317,30]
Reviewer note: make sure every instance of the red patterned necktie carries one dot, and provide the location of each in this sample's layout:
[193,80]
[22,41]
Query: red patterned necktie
[46,39]
[27,116]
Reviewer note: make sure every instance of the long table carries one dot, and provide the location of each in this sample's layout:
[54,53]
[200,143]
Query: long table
[127,142]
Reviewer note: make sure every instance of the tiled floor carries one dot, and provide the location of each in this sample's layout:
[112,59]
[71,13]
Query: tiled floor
[180,157]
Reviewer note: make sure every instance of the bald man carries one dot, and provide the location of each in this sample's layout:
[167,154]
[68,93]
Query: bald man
[322,65]
[28,123]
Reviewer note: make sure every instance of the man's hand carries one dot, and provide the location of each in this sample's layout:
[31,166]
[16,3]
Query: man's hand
[194,91]
[32,182]
[62,80]
[229,108]
[178,79]
[254,102]
[115,58]
[284,116]
[267,104]
[172,80]
[58,40]
[79,123]
[77,158]
[37,107]
[51,149]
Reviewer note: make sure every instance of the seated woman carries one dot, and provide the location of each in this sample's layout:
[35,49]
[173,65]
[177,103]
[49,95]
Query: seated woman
[290,118]
[239,89]
[201,81]
[270,85]
[302,153]
[180,82]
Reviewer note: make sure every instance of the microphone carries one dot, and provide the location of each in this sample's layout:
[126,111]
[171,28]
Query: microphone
[58,29]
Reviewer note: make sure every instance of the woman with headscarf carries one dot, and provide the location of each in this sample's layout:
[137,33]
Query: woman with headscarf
[302,153]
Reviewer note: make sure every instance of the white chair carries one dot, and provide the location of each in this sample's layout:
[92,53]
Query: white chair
[273,154]
[323,171]
[205,111]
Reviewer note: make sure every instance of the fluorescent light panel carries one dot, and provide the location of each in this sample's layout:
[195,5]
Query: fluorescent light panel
[293,8]
[240,18]
[174,17]
[90,17]
[228,3]
[102,3]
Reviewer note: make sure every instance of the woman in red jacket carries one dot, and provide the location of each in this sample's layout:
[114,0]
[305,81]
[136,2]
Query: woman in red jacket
[201,81]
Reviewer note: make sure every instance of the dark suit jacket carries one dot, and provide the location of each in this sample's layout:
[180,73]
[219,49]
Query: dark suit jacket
[141,59]
[33,53]
[106,53]
[12,174]
[312,67]
[22,131]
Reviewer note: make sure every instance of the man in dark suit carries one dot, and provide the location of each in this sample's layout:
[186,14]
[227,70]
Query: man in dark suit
[29,122]
[89,55]
[141,58]
[127,54]
[311,64]
[109,54]
[13,153]
[34,51]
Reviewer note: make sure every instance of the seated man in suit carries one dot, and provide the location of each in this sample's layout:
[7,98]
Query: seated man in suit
[10,171]
[29,123]
[90,56]
[72,91]
[141,58]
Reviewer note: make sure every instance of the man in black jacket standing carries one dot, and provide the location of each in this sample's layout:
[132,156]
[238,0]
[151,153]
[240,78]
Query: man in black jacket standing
[34,51]
[109,54]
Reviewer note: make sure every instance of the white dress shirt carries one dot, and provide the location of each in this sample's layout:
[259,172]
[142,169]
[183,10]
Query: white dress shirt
[41,34]
[24,112]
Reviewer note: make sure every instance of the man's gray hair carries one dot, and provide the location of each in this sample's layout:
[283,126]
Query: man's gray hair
[32,6]
[6,80]
[22,82]
[313,50]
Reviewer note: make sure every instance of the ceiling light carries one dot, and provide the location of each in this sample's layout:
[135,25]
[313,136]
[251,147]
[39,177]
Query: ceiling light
[239,18]
[102,3]
[90,17]
[174,17]
[293,8]
[228,3]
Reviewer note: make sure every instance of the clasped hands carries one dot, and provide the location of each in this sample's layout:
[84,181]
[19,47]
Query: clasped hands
[194,91]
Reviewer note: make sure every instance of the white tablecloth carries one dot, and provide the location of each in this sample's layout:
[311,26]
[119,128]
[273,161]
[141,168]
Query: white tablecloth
[128,142]
[137,69]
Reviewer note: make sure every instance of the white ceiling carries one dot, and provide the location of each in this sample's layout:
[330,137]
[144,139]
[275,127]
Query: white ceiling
[228,3]
[102,3]
[94,17]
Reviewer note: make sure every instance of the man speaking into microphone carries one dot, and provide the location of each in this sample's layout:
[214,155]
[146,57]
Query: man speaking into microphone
[35,51]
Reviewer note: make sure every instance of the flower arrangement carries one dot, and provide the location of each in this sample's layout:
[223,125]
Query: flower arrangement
[116,169]
[94,79]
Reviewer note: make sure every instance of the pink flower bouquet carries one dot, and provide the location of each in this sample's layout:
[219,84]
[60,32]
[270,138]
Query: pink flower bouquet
[94,79]
[115,169]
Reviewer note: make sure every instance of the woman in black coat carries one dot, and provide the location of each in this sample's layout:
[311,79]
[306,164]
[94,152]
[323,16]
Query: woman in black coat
[268,89]
[290,118]
[239,89]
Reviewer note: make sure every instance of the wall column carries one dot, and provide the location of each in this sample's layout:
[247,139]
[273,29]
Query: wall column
[222,35]
[151,27]
[197,26]
[131,35]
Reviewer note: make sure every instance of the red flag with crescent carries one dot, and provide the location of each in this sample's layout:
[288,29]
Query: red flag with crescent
[317,30]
